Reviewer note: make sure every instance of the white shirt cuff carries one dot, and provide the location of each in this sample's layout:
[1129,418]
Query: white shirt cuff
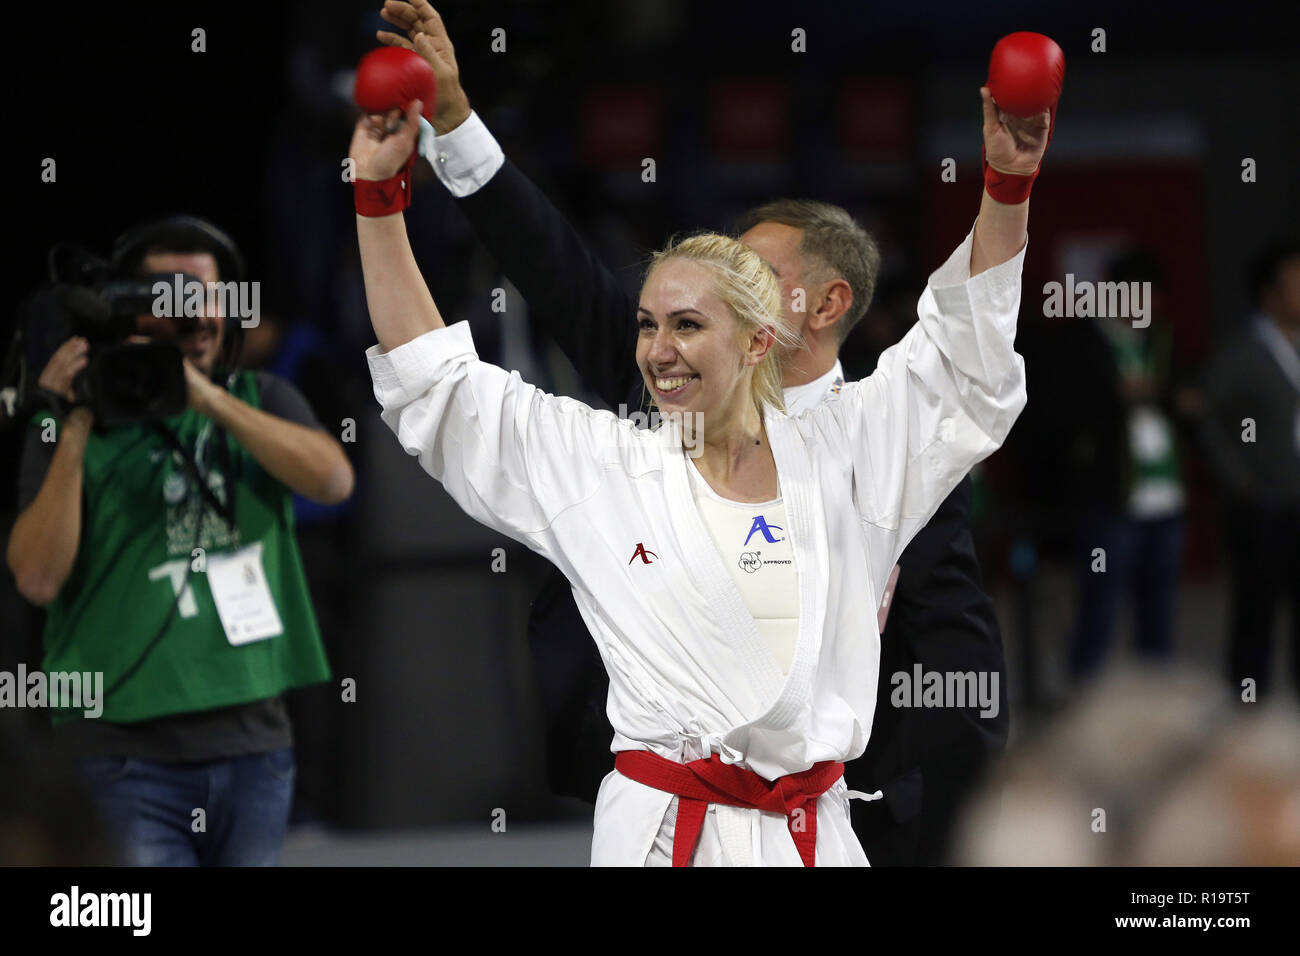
[464,159]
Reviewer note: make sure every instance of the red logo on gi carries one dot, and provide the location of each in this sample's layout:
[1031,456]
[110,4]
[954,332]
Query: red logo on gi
[642,553]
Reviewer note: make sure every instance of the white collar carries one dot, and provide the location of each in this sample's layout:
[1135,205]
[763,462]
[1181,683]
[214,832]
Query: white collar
[800,398]
[1292,337]
[1282,347]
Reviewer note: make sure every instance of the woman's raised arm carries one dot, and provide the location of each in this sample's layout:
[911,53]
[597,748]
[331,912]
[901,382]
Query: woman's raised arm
[1015,146]
[401,307]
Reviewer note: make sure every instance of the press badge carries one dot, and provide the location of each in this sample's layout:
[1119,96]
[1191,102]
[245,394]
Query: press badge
[242,596]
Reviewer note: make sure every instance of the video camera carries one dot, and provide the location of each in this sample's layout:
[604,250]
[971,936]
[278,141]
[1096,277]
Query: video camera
[100,300]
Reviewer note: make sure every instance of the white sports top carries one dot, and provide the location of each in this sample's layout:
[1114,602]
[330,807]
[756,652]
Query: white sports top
[756,550]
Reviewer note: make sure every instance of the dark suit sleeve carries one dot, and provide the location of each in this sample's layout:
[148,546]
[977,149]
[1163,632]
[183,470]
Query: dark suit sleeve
[1221,426]
[950,623]
[572,296]
[928,761]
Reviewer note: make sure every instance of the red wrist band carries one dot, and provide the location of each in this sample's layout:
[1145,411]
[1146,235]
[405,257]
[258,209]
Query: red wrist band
[1007,188]
[383,197]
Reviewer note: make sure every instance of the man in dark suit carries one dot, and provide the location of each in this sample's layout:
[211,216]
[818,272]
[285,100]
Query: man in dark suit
[1252,434]
[924,760]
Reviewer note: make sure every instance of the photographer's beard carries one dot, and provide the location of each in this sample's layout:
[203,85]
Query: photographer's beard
[198,338]
[200,342]
[202,345]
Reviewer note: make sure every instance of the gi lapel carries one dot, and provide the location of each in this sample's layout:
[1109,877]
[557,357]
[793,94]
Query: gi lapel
[806,517]
[704,564]
[787,695]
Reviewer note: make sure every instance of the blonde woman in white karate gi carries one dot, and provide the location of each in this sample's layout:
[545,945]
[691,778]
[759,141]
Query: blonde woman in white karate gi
[733,709]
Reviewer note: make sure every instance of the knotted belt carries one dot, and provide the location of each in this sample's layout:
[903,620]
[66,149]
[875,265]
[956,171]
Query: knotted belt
[701,782]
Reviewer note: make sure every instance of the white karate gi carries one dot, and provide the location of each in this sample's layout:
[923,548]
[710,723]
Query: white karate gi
[689,674]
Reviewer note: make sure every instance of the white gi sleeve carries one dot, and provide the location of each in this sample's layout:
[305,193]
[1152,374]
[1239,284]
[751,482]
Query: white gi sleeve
[510,455]
[940,400]
[464,159]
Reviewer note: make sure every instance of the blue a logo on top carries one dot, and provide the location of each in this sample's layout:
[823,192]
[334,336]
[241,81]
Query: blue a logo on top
[760,524]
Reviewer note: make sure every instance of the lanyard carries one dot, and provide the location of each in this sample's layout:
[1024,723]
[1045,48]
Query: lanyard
[226,509]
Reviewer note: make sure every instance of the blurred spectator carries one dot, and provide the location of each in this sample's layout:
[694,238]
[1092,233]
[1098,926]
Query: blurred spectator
[1252,436]
[20,634]
[1123,472]
[1147,769]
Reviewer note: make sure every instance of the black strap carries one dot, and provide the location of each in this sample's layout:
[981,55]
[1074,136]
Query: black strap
[57,405]
[225,509]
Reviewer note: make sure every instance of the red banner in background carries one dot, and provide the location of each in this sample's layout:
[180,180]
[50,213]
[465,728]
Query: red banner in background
[874,118]
[749,119]
[1157,206]
[621,126]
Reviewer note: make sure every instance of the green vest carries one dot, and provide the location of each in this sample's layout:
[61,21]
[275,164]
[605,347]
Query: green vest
[140,511]
[1151,358]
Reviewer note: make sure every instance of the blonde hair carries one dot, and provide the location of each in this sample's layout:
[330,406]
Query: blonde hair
[750,289]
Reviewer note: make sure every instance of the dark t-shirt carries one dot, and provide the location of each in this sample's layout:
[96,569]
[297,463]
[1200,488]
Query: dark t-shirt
[203,735]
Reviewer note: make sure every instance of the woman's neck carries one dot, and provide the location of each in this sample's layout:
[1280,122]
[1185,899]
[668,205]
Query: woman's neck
[735,457]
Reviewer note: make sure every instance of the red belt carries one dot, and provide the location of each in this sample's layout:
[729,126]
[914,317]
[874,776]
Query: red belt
[701,782]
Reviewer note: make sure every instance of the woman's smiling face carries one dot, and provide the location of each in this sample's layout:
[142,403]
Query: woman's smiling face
[688,349]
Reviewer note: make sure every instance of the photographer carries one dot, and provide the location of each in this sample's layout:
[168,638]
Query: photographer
[165,554]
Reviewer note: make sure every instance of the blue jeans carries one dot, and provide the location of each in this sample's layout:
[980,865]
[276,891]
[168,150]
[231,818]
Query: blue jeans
[149,808]
[1144,560]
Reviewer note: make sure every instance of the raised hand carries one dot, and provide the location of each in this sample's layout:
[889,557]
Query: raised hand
[426,34]
[199,389]
[63,366]
[1013,144]
[381,145]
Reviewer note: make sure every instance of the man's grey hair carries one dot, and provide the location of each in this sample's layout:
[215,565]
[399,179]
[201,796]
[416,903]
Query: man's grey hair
[832,240]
